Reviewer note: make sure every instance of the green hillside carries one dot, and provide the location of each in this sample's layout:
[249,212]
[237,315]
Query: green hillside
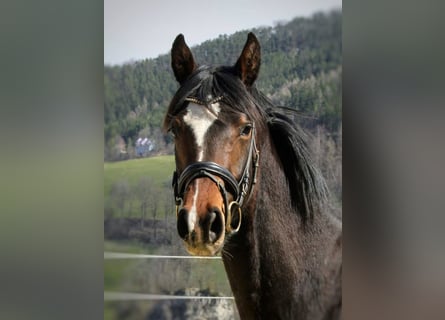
[159,169]
[129,183]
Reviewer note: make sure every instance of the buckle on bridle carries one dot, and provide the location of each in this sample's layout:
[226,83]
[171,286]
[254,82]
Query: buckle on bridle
[234,207]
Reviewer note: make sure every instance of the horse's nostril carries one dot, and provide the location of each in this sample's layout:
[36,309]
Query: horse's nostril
[216,226]
[182,224]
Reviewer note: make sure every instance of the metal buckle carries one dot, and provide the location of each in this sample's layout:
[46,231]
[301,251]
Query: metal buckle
[236,208]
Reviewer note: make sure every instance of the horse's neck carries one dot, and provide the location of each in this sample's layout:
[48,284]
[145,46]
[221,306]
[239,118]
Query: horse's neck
[273,259]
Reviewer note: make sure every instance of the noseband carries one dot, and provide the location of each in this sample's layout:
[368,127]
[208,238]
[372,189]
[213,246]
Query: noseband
[239,189]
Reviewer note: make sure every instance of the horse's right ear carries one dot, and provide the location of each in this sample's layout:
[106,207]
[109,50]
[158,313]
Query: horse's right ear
[248,65]
[183,63]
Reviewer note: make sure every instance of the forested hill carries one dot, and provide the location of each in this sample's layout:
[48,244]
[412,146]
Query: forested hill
[301,68]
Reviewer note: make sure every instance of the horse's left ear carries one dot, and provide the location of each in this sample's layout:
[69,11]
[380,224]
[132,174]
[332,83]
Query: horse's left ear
[248,64]
[183,63]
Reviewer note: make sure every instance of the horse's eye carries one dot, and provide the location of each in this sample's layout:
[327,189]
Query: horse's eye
[173,131]
[245,131]
[175,127]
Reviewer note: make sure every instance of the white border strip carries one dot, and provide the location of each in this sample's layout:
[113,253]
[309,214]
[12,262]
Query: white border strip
[119,255]
[126,296]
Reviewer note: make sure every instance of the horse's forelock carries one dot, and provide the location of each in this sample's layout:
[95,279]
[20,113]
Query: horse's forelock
[209,82]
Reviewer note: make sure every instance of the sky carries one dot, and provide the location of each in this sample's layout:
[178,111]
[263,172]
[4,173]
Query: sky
[138,29]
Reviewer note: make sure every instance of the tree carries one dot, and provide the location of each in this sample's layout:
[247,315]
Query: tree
[120,192]
[327,154]
[145,194]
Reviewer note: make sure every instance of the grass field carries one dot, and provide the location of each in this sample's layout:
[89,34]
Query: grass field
[127,175]
[160,169]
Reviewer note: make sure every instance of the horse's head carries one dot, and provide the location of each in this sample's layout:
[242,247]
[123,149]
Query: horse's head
[213,120]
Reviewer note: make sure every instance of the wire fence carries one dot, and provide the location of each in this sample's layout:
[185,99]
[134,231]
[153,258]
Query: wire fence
[118,255]
[125,296]
[128,296]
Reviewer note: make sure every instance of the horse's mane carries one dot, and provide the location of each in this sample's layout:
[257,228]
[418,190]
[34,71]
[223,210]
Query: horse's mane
[306,185]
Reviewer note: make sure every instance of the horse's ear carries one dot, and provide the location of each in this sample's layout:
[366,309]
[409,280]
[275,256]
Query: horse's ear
[183,63]
[248,64]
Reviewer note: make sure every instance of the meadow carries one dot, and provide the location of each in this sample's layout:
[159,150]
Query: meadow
[132,183]
[159,169]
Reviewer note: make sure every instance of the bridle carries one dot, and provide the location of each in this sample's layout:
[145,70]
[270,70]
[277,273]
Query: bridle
[240,189]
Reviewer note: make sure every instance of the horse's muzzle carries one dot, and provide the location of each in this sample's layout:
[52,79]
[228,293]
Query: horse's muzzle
[203,234]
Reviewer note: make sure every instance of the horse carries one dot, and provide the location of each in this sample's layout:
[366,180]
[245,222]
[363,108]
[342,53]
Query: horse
[245,187]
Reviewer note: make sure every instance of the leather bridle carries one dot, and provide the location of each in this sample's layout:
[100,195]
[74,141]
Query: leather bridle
[240,189]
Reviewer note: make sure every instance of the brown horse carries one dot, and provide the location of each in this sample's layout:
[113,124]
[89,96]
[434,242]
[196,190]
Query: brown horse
[245,187]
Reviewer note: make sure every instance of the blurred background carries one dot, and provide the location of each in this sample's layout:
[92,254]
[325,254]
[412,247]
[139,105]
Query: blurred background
[52,158]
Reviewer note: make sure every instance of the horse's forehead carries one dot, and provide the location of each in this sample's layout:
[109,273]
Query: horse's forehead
[199,118]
